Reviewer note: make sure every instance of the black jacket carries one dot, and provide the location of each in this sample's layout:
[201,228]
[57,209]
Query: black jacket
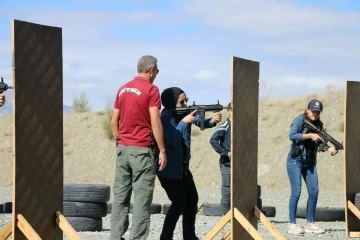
[220,140]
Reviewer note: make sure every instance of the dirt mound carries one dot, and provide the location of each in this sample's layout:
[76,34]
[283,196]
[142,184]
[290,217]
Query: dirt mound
[89,155]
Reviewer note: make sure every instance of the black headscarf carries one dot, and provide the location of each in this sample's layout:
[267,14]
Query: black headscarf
[170,96]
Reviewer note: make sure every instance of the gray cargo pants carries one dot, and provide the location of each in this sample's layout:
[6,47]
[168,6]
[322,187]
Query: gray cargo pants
[135,171]
[225,187]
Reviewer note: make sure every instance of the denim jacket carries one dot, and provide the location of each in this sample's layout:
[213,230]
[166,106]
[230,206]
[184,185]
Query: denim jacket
[175,136]
[306,149]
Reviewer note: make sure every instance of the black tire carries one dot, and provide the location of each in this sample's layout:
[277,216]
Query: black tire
[357,200]
[212,209]
[259,203]
[109,207]
[324,214]
[7,207]
[258,191]
[165,208]
[84,209]
[84,224]
[1,208]
[269,211]
[155,208]
[86,193]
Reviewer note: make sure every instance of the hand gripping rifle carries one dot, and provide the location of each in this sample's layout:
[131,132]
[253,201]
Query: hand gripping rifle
[325,136]
[4,86]
[201,109]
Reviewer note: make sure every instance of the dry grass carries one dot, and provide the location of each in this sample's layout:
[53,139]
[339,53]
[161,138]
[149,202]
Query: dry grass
[81,104]
[89,151]
[107,113]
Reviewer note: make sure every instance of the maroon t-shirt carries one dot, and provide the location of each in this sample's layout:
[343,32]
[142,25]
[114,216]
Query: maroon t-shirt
[133,101]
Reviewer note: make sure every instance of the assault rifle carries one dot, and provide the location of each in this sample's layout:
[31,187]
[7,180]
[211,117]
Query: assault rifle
[4,86]
[325,136]
[201,109]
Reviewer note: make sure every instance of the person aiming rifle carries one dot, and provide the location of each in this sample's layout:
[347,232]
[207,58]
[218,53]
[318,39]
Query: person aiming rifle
[3,88]
[306,135]
[176,179]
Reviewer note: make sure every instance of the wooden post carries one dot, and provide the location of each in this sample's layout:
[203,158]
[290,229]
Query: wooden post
[38,134]
[352,156]
[244,142]
[244,146]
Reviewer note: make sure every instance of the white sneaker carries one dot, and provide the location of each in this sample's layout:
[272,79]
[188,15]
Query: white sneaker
[295,229]
[312,228]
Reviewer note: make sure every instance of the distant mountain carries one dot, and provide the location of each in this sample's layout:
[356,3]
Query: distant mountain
[67,108]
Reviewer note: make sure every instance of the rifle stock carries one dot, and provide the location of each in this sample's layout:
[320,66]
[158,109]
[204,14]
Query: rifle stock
[325,136]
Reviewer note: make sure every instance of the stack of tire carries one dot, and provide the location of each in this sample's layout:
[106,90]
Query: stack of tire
[84,206]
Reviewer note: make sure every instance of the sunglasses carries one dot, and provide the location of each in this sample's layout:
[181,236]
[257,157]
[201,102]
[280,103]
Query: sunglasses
[184,100]
[157,70]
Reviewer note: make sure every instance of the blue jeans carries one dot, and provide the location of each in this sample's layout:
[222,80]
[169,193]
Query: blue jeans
[295,169]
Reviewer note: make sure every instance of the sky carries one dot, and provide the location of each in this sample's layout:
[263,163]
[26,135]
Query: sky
[302,46]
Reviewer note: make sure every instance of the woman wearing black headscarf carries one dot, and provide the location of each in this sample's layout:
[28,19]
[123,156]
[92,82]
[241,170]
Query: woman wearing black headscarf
[176,178]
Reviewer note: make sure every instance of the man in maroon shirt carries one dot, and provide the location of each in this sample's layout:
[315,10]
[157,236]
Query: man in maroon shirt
[135,119]
[2,99]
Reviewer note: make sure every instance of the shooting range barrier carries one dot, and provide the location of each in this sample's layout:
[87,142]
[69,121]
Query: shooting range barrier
[244,212]
[245,101]
[38,135]
[38,144]
[352,157]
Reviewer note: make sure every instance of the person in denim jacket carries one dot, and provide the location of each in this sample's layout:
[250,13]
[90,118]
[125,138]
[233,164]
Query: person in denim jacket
[176,178]
[301,161]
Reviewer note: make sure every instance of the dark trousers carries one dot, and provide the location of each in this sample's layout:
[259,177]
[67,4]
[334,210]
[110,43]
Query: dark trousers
[225,187]
[184,200]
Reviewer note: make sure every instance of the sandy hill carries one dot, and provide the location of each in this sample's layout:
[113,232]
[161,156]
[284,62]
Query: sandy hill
[89,155]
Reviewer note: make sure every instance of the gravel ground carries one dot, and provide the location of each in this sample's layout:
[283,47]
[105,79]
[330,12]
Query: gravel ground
[277,198]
